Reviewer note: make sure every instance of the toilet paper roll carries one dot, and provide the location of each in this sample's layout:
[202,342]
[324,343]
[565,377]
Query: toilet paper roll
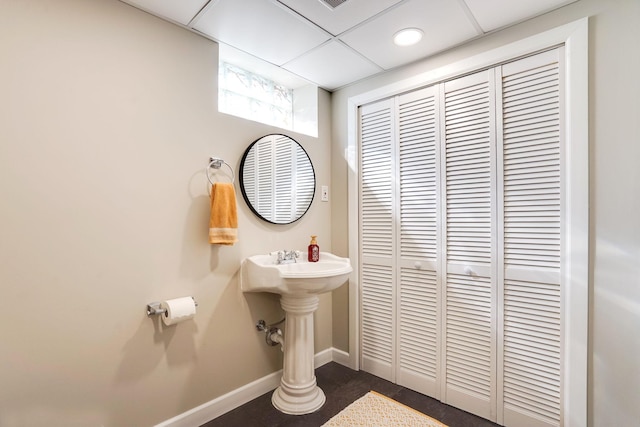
[178,310]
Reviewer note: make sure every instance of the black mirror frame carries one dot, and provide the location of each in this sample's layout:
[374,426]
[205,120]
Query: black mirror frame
[246,197]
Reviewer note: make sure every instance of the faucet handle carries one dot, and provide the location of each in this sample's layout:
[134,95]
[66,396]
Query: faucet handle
[279,255]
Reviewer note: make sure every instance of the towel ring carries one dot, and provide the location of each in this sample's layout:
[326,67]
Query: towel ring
[217,163]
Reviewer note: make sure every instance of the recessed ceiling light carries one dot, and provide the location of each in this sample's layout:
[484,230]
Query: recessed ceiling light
[407,37]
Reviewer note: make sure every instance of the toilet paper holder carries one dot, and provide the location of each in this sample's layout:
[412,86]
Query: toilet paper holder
[154,309]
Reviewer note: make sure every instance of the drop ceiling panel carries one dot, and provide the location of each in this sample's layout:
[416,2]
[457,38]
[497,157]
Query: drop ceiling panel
[178,11]
[444,22]
[332,65]
[266,29]
[343,17]
[493,14]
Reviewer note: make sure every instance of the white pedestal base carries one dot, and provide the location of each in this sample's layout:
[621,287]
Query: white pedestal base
[298,393]
[304,403]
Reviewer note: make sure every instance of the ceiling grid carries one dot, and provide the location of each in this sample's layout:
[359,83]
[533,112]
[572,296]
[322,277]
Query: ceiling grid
[339,42]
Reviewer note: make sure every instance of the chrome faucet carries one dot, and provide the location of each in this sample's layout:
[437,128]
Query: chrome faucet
[287,257]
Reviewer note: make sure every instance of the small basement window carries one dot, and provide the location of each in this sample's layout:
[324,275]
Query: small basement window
[251,96]
[272,95]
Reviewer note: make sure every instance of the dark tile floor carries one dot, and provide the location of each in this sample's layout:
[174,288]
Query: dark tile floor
[342,386]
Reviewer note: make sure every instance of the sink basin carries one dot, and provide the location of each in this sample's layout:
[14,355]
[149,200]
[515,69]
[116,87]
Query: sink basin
[260,273]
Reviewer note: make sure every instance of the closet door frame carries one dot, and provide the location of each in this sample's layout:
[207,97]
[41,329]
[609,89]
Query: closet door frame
[574,36]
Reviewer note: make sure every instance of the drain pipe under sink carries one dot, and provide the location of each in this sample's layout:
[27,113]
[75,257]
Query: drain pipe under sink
[273,335]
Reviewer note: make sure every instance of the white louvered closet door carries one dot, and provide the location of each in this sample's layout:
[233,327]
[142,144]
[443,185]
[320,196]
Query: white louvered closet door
[377,238]
[461,236]
[417,290]
[531,185]
[468,184]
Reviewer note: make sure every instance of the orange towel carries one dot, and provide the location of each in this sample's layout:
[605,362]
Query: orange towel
[223,223]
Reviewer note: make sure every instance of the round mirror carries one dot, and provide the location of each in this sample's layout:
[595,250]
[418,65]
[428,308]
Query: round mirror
[277,179]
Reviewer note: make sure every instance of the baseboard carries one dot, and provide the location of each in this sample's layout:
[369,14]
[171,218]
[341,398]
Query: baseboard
[323,357]
[341,357]
[238,397]
[225,403]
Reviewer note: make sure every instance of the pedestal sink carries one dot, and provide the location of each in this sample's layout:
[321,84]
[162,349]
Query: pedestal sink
[299,285]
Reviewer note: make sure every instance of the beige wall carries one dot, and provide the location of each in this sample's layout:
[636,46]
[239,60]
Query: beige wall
[107,119]
[614,91]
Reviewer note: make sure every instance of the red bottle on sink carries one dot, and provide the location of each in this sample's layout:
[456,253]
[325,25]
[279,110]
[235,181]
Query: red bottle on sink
[314,250]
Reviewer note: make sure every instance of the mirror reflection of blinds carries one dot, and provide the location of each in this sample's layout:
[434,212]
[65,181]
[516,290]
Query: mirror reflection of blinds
[264,172]
[304,183]
[284,178]
[250,179]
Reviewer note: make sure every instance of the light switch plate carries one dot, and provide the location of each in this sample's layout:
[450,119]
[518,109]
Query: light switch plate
[324,195]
